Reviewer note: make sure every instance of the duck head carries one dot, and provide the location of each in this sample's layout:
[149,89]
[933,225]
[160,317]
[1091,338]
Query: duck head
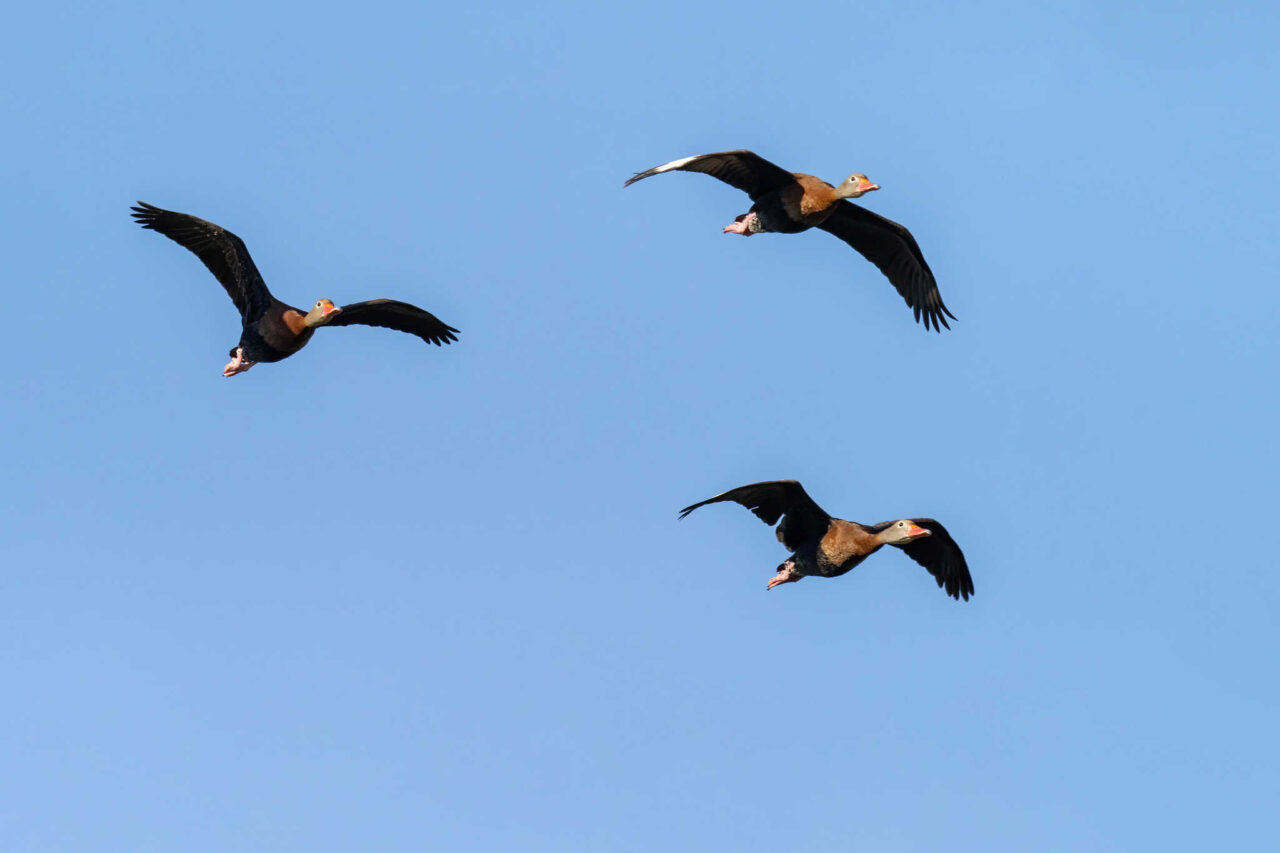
[322,312]
[855,186]
[902,532]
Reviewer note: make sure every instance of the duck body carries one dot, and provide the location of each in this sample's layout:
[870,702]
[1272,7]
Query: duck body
[828,547]
[277,334]
[796,207]
[840,550]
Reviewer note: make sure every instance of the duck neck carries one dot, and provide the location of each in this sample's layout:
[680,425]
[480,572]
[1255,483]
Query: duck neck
[295,322]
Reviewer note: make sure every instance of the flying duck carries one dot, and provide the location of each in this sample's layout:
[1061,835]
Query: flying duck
[790,202]
[273,330]
[826,546]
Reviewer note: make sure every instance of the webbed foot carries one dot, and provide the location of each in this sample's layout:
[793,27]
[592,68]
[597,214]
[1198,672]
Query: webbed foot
[238,364]
[741,225]
[786,574]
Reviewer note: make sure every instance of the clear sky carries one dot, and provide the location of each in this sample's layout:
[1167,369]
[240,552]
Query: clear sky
[384,596]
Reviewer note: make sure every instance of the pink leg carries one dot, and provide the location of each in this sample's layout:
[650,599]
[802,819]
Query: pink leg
[786,574]
[239,364]
[741,225]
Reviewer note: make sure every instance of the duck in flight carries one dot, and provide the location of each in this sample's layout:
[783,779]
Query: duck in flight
[274,330]
[829,547]
[790,202]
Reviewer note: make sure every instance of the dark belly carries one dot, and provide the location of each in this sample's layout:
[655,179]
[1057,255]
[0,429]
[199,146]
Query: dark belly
[774,216]
[829,569]
[812,560]
[258,347]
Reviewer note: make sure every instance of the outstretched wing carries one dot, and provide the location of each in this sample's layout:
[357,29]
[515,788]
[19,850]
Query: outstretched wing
[221,251]
[891,247]
[940,554]
[802,519]
[401,316]
[743,169]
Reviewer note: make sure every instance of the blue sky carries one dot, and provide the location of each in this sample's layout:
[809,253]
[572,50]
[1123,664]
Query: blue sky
[387,596]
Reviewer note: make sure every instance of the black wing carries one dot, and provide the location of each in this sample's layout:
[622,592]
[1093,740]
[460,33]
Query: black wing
[891,248]
[221,251]
[744,170]
[804,520]
[401,316]
[940,554]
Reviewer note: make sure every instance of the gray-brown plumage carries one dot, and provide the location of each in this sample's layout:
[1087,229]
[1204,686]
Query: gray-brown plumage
[272,330]
[826,546]
[790,202]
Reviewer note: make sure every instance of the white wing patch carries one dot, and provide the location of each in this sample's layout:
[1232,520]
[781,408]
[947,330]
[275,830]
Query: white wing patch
[675,164]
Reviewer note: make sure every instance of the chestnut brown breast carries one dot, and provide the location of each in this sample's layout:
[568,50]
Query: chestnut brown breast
[284,329]
[809,200]
[845,542]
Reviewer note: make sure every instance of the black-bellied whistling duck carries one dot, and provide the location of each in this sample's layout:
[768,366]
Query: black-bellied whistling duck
[790,202]
[826,546]
[272,330]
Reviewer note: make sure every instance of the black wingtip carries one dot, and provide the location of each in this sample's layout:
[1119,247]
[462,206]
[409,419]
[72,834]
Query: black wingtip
[639,176]
[448,336]
[961,587]
[934,321]
[145,214]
